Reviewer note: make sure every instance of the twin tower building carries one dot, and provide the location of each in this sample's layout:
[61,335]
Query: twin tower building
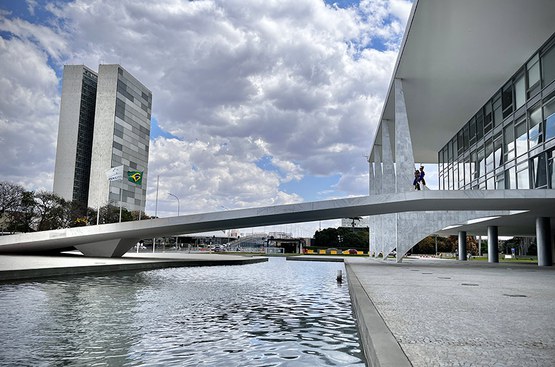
[104,123]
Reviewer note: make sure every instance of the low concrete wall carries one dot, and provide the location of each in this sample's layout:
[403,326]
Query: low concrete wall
[60,271]
[378,343]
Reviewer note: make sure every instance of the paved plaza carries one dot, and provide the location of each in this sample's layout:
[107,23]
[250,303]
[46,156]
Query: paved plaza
[450,313]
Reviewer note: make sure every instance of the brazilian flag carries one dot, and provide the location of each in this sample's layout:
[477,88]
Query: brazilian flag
[135,176]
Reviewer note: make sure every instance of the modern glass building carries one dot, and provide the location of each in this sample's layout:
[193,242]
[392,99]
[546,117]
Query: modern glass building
[509,142]
[473,91]
[116,116]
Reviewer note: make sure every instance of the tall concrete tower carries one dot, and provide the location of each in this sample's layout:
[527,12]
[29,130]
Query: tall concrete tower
[118,124]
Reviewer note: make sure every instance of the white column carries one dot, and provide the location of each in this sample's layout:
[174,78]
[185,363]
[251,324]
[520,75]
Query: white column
[404,156]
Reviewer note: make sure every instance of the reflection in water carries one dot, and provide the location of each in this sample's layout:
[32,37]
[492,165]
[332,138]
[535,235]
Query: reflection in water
[277,313]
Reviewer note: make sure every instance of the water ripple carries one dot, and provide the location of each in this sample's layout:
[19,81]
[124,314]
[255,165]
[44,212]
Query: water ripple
[268,314]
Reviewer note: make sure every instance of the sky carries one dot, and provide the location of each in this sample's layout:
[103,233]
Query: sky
[255,102]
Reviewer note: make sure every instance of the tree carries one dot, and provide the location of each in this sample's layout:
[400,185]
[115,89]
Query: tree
[110,214]
[21,218]
[51,211]
[349,238]
[326,237]
[342,237]
[10,197]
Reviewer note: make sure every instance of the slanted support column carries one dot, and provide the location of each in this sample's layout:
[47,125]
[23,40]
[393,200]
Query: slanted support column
[404,156]
[371,177]
[543,239]
[388,175]
[493,239]
[377,170]
[462,245]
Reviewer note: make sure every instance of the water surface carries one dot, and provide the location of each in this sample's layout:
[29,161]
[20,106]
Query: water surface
[277,313]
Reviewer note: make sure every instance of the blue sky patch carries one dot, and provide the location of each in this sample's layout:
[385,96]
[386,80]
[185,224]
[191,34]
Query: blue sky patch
[156,131]
[311,188]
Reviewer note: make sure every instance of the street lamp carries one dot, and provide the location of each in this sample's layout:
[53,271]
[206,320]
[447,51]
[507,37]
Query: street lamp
[177,202]
[176,243]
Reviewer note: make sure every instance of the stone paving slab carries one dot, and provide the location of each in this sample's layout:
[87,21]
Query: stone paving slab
[450,313]
[19,267]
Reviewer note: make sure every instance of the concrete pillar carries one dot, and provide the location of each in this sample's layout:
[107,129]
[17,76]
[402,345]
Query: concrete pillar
[404,156]
[371,177]
[388,174]
[543,240]
[377,170]
[462,245]
[493,239]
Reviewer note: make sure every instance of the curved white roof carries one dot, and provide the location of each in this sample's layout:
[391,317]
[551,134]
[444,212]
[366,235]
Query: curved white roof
[455,55]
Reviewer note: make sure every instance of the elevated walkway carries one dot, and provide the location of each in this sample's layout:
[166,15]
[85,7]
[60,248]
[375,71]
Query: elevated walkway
[114,240]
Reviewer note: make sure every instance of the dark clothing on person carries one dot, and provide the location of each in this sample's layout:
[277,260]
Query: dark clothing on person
[421,176]
[416,182]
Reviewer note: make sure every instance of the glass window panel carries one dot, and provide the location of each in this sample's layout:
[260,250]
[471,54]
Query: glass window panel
[472,130]
[497,151]
[490,183]
[539,173]
[507,100]
[523,179]
[489,156]
[460,143]
[533,71]
[488,118]
[509,138]
[473,165]
[521,139]
[481,167]
[549,113]
[534,134]
[550,170]
[520,92]
[467,170]
[500,181]
[510,178]
[548,66]
[465,138]
[479,125]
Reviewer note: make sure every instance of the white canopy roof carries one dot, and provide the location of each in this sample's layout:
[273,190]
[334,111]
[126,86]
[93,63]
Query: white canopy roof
[455,55]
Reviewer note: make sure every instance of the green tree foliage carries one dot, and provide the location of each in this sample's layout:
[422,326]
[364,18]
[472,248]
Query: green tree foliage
[110,214]
[21,219]
[428,245]
[10,197]
[341,237]
[50,211]
[26,211]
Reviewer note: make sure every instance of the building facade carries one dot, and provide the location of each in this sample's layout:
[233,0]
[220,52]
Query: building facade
[473,91]
[75,133]
[115,132]
[509,143]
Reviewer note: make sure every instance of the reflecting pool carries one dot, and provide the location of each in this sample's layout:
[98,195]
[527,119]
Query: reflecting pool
[278,313]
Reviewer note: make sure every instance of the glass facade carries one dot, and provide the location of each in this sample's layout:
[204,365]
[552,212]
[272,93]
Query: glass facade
[85,137]
[131,138]
[510,142]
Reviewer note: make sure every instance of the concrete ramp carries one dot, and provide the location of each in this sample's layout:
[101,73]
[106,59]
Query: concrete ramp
[113,240]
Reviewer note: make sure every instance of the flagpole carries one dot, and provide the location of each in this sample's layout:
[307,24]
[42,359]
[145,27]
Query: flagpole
[120,199]
[156,205]
[156,212]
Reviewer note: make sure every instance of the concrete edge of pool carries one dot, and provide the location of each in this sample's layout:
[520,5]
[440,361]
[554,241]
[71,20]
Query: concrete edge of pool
[379,344]
[25,267]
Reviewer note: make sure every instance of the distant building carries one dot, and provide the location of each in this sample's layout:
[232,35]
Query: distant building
[104,123]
